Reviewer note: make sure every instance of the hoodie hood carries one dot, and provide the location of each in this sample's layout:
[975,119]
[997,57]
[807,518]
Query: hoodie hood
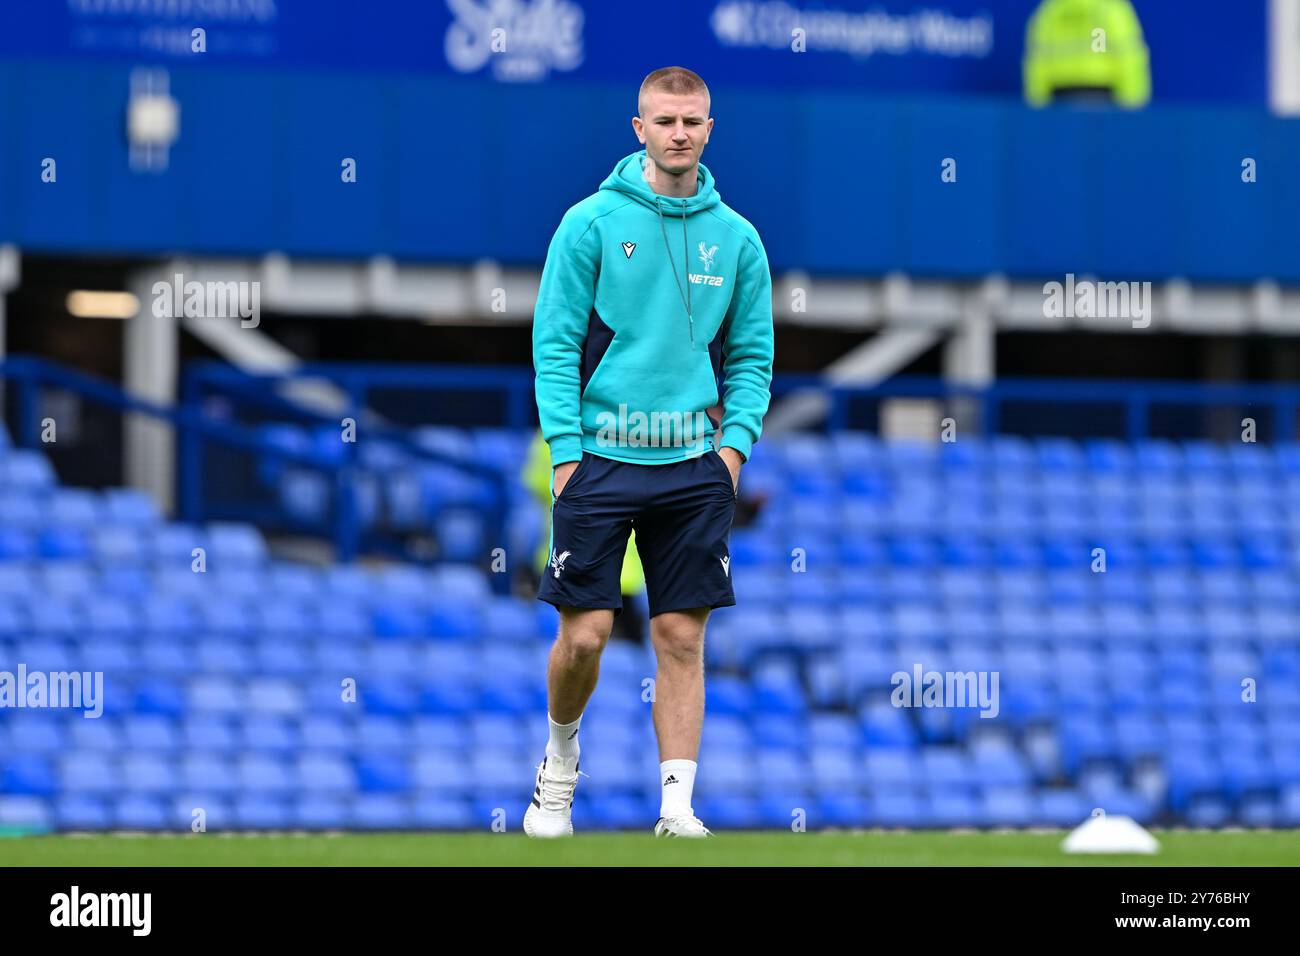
[628,178]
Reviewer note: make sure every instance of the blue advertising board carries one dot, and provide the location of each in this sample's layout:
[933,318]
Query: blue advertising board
[1201,50]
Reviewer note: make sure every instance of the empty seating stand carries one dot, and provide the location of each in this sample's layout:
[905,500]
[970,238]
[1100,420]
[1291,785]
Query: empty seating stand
[1137,604]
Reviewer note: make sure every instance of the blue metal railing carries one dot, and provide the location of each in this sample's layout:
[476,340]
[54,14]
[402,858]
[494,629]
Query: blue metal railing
[262,390]
[1135,399]
[360,381]
[507,394]
[194,430]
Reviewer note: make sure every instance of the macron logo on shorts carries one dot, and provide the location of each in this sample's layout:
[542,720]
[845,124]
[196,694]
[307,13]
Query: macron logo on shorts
[726,565]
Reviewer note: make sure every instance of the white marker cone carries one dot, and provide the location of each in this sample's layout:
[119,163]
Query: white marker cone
[1103,834]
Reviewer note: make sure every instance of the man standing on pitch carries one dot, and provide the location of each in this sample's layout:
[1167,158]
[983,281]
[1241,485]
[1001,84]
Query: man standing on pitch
[652,289]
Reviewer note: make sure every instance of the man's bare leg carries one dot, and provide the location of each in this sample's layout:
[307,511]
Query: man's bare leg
[678,639]
[571,676]
[574,665]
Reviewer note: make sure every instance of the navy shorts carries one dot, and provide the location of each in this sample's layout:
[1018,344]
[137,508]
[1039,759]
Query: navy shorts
[682,514]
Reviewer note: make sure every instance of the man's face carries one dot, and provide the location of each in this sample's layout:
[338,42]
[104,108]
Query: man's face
[674,129]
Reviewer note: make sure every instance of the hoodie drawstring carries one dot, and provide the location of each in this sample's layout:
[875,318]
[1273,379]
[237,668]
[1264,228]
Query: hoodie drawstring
[685,297]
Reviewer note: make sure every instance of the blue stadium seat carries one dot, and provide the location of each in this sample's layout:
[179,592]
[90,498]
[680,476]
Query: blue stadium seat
[381,812]
[1084,737]
[315,812]
[779,695]
[835,769]
[620,811]
[64,543]
[269,734]
[1191,774]
[1061,808]
[21,509]
[256,811]
[161,698]
[509,620]
[890,768]
[1208,811]
[949,807]
[729,695]
[206,733]
[781,770]
[442,698]
[454,622]
[512,697]
[150,732]
[434,770]
[389,698]
[1008,807]
[834,808]
[727,771]
[24,469]
[28,775]
[382,735]
[898,808]
[887,726]
[947,768]
[439,813]
[32,736]
[127,507]
[502,732]
[1289,806]
[140,812]
[263,774]
[274,696]
[235,544]
[27,814]
[75,812]
[150,774]
[730,812]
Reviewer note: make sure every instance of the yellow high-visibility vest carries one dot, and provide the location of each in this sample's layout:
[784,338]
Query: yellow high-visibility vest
[1088,43]
[537,479]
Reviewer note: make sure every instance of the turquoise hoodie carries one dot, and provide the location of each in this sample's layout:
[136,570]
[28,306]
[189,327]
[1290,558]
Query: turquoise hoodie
[645,300]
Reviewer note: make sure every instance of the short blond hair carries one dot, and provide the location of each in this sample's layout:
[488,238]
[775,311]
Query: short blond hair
[672,79]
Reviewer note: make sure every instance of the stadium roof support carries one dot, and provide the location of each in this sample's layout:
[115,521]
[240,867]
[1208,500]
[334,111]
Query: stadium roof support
[150,359]
[871,362]
[10,275]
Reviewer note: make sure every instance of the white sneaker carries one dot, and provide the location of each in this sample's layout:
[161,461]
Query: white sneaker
[689,827]
[551,812]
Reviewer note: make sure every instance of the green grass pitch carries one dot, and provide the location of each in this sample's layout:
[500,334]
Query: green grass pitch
[875,848]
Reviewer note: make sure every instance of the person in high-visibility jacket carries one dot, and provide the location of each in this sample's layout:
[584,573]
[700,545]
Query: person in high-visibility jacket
[537,479]
[1086,49]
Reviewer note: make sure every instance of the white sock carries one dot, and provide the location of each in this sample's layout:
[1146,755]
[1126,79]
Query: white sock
[564,739]
[677,777]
